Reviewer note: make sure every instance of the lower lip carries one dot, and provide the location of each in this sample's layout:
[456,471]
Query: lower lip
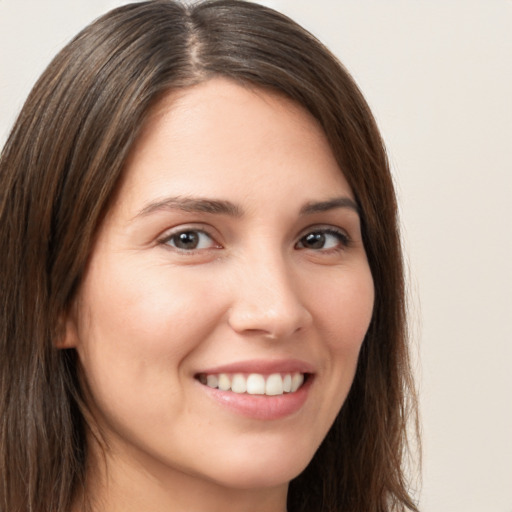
[262,407]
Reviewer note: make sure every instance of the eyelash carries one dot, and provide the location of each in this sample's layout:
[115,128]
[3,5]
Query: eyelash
[343,240]
[187,231]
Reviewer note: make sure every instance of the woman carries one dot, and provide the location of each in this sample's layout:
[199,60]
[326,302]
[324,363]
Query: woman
[202,293]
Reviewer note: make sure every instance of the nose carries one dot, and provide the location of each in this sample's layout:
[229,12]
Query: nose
[267,300]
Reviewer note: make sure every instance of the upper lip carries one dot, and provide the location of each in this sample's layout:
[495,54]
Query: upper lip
[263,366]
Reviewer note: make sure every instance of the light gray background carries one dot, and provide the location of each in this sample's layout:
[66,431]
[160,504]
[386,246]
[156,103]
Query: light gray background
[438,76]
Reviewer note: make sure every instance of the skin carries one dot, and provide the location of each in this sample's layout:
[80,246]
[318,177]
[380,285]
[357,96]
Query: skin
[149,316]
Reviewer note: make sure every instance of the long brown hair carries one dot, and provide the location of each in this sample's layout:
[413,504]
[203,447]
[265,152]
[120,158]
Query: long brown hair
[58,173]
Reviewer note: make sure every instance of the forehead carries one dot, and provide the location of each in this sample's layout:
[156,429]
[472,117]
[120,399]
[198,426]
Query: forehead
[211,138]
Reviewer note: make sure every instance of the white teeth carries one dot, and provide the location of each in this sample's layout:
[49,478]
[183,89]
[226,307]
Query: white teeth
[287,383]
[297,380]
[212,381]
[224,382]
[255,383]
[238,384]
[274,385]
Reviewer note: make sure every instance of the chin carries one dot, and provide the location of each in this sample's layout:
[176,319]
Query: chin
[263,468]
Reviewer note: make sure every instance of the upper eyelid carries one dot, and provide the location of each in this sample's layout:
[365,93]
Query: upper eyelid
[325,228]
[181,228]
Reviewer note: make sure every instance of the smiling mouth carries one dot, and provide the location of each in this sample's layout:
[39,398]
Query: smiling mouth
[255,383]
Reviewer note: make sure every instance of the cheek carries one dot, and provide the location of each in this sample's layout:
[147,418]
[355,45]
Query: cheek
[137,328]
[346,310]
[148,310]
[343,311]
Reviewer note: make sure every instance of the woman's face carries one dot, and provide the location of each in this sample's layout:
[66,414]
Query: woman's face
[231,259]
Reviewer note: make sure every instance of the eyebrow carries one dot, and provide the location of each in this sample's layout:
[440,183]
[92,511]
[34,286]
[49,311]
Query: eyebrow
[222,207]
[192,205]
[330,204]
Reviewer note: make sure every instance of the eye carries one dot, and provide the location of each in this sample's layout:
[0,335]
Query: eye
[190,240]
[323,240]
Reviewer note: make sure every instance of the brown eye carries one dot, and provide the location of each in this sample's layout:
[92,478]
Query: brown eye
[190,240]
[323,240]
[313,241]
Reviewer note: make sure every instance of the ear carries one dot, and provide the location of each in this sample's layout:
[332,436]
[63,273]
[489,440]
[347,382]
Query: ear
[66,332]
